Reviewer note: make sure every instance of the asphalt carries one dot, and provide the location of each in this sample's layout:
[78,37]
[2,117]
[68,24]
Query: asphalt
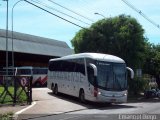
[49,105]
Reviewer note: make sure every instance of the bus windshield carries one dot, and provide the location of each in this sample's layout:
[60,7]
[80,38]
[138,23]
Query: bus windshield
[111,76]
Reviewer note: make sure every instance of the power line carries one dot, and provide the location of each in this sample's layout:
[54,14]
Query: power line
[140,12]
[45,5]
[70,10]
[53,14]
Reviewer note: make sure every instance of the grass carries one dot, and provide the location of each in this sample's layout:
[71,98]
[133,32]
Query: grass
[8,99]
[7,116]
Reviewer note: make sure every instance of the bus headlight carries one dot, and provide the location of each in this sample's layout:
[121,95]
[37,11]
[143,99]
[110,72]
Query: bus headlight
[125,94]
[99,93]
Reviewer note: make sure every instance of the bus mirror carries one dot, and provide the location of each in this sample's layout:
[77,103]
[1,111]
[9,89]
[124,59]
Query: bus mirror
[131,71]
[94,68]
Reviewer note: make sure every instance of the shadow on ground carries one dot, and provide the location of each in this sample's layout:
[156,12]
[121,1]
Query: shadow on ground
[89,104]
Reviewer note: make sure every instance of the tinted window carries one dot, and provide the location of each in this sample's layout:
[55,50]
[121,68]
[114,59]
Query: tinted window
[90,70]
[68,66]
[74,65]
[39,71]
[79,65]
[24,72]
[55,66]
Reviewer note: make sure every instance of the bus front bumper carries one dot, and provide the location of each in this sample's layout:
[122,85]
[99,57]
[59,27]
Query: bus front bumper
[122,98]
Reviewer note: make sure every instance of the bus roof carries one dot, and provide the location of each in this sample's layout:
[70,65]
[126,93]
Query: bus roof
[26,67]
[95,56]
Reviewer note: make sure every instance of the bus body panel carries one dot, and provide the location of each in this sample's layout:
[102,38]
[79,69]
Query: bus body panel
[41,78]
[68,83]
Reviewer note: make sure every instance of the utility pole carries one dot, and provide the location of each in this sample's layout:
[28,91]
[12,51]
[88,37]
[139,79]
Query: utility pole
[7,42]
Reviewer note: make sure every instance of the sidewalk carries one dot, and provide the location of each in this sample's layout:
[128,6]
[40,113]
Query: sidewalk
[48,104]
[4,109]
[11,109]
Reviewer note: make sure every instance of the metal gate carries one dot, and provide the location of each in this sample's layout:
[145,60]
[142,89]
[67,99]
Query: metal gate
[15,89]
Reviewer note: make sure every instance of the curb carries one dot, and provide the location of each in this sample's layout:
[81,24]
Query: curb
[15,116]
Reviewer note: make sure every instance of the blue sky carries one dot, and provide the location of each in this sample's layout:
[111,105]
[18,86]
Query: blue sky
[31,20]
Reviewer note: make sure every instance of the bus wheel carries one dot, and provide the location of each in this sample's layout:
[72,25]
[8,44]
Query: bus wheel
[82,96]
[56,90]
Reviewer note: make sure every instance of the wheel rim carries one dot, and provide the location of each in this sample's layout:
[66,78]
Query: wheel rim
[82,99]
[56,90]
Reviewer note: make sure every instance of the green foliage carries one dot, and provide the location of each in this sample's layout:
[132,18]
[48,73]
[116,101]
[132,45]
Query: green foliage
[121,36]
[8,99]
[138,85]
[7,116]
[152,61]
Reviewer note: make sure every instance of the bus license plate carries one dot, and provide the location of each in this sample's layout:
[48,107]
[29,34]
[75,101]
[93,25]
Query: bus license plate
[113,100]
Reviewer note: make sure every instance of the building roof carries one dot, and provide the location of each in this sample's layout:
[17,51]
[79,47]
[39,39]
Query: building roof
[25,43]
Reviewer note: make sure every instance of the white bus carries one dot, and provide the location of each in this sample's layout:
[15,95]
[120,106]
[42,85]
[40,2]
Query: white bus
[90,76]
[39,74]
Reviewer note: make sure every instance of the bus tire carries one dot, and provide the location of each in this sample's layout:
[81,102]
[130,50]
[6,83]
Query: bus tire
[56,89]
[82,96]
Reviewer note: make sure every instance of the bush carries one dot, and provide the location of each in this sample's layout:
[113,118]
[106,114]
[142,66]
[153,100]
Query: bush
[7,116]
[138,85]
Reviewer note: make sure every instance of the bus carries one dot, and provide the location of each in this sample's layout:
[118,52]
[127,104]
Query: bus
[39,74]
[90,76]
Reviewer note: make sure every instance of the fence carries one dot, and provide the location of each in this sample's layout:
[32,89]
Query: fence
[15,89]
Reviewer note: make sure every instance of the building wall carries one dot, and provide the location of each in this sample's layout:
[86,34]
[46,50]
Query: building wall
[22,59]
[30,50]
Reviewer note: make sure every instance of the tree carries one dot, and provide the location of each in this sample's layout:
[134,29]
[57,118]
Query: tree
[152,63]
[149,61]
[121,36]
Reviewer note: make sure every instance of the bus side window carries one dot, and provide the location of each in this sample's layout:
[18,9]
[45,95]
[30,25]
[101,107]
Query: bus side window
[71,66]
[64,66]
[45,71]
[58,66]
[82,66]
[55,66]
[90,72]
[51,67]
[79,66]
[35,71]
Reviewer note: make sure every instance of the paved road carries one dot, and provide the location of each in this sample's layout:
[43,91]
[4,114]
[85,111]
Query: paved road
[64,107]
